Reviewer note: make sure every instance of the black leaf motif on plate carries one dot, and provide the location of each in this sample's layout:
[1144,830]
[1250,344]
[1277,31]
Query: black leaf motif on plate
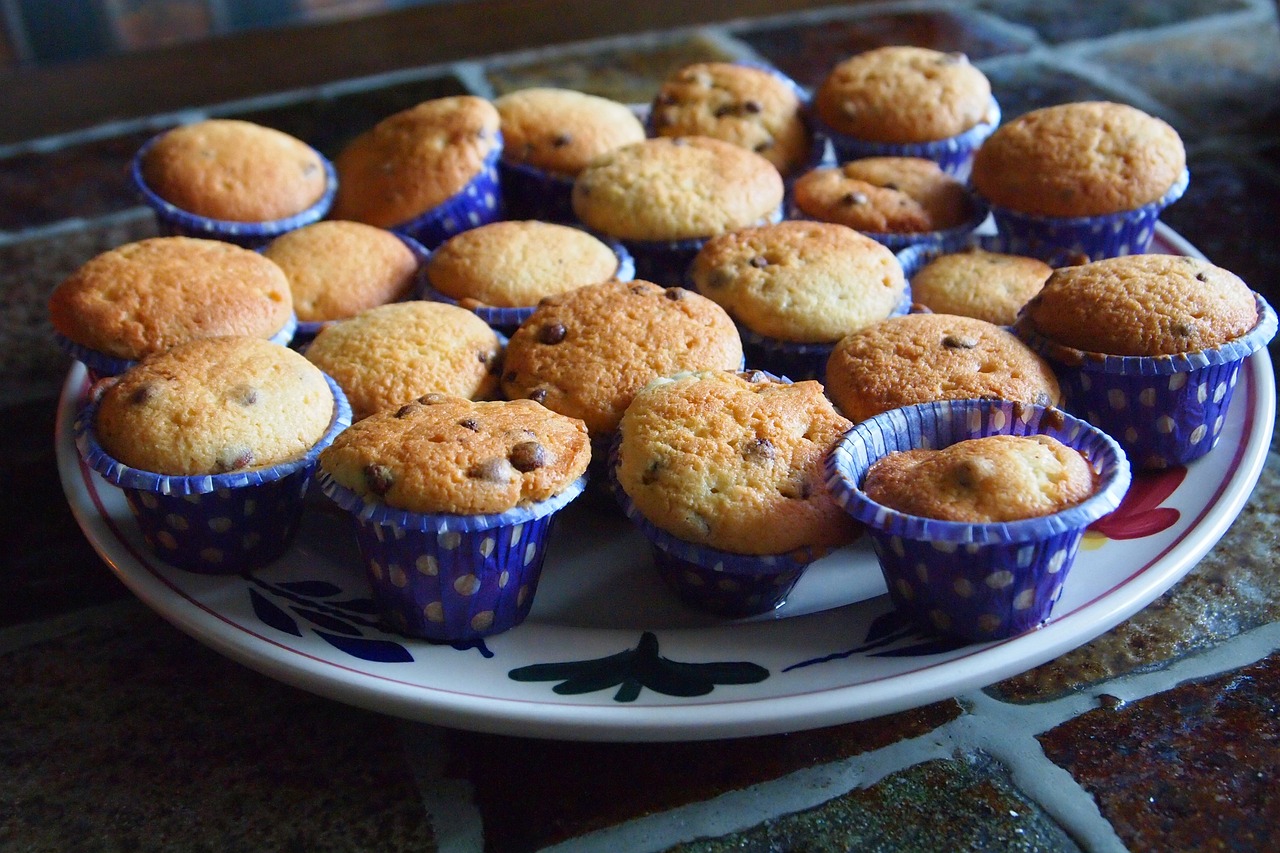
[311,589]
[636,669]
[883,635]
[268,612]
[324,620]
[379,651]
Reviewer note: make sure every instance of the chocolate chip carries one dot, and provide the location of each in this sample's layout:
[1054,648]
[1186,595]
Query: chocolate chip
[469,423]
[432,398]
[752,106]
[797,489]
[405,410]
[538,395]
[244,395]
[527,456]
[967,474]
[675,294]
[762,147]
[142,394]
[957,342]
[561,140]
[552,333]
[760,450]
[759,262]
[233,460]
[725,110]
[1186,328]
[483,356]
[510,376]
[639,289]
[650,475]
[1200,276]
[851,199]
[493,470]
[378,478]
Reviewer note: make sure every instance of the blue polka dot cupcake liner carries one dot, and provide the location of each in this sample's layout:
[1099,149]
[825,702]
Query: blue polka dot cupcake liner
[173,221]
[451,578]
[976,581]
[1066,240]
[478,203]
[532,193]
[954,155]
[308,329]
[214,524]
[507,319]
[100,365]
[795,359]
[1164,410]
[721,583]
[666,262]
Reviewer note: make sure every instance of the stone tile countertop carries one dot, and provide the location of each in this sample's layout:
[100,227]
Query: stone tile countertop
[120,732]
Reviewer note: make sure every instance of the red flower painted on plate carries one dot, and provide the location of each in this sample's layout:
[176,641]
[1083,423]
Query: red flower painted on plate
[1140,513]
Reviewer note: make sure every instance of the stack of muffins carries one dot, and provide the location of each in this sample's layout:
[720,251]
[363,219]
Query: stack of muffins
[718,314]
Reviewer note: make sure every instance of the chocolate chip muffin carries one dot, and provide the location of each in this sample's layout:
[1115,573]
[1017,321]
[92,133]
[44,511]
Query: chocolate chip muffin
[992,479]
[446,454]
[587,352]
[718,459]
[386,356]
[800,281]
[213,406]
[560,131]
[756,108]
[919,358]
[885,195]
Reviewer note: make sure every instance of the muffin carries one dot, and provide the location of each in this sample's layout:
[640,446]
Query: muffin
[1148,347]
[549,136]
[908,102]
[429,171]
[501,270]
[587,352]
[900,201]
[386,356]
[723,472]
[214,442]
[145,297]
[976,538]
[337,269]
[1080,181]
[991,286]
[663,198]
[232,180]
[917,358]
[755,107]
[453,502]
[795,288]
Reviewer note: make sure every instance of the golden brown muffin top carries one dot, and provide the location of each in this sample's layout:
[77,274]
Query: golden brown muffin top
[147,296]
[991,286]
[1143,305]
[1079,159]
[885,194]
[994,479]
[234,170]
[562,130]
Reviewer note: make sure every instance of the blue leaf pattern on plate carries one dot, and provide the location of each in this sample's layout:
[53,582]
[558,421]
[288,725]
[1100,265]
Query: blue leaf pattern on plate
[269,613]
[382,651]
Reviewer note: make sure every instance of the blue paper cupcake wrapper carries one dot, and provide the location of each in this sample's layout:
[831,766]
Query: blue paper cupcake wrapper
[173,221]
[944,240]
[478,203]
[446,577]
[1065,240]
[954,155]
[719,582]
[308,329]
[665,262]
[979,581]
[794,359]
[533,193]
[100,364]
[1164,410]
[215,523]
[507,319]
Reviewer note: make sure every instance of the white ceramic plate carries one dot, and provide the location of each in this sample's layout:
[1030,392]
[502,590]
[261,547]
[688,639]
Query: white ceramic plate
[608,654]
